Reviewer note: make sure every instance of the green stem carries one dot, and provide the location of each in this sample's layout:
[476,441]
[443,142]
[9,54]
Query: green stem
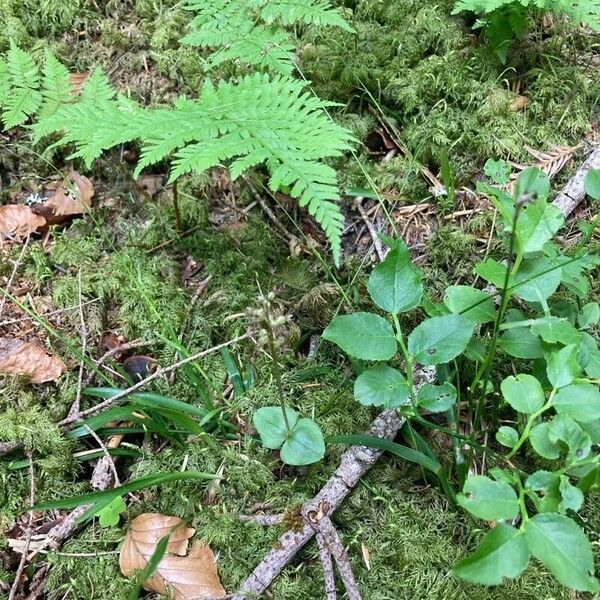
[407,358]
[530,422]
[522,505]
[276,367]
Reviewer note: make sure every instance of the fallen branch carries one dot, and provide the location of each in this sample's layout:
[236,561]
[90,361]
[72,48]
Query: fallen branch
[355,462]
[574,192]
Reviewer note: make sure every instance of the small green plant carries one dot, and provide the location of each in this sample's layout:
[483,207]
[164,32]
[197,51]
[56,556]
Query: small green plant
[299,440]
[504,20]
[263,117]
[548,414]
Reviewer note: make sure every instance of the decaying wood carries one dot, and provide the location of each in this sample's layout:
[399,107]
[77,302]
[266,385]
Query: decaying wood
[355,462]
[574,192]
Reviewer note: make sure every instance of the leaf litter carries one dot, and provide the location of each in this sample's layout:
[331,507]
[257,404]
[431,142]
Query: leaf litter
[187,576]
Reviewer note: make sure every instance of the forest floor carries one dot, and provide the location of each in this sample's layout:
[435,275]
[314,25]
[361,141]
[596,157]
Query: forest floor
[146,268]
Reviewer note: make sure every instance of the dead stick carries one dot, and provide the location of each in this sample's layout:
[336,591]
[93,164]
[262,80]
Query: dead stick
[327,562]
[574,192]
[158,373]
[355,462]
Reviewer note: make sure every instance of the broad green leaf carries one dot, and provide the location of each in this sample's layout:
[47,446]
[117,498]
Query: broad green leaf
[589,315]
[523,392]
[592,184]
[592,364]
[395,283]
[492,271]
[305,446]
[581,401]
[507,436]
[503,552]
[536,279]
[363,335]
[539,438]
[572,497]
[556,330]
[488,499]
[440,339]
[270,424]
[537,224]
[562,366]
[521,343]
[548,484]
[436,398]
[564,429]
[497,170]
[471,303]
[532,182]
[560,544]
[476,349]
[381,386]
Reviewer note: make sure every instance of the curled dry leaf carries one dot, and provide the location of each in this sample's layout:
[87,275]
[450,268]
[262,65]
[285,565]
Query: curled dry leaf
[18,357]
[191,577]
[19,221]
[72,197]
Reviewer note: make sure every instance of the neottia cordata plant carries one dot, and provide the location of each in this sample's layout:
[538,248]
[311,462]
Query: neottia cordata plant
[264,117]
[545,417]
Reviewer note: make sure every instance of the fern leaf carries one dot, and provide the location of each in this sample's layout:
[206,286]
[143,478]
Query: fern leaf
[290,12]
[4,82]
[23,97]
[581,11]
[56,88]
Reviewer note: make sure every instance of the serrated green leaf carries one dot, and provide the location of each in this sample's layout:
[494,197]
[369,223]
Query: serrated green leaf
[395,283]
[589,315]
[560,544]
[492,271]
[572,497]
[488,499]
[556,330]
[471,303]
[363,335]
[381,386]
[436,398]
[503,552]
[521,343]
[562,366]
[564,429]
[523,392]
[581,401]
[440,339]
[507,436]
[532,182]
[497,170]
[538,223]
[537,279]
[592,184]
[541,443]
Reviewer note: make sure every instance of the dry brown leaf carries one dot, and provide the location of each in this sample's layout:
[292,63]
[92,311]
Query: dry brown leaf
[77,81]
[19,221]
[18,357]
[519,103]
[191,577]
[72,197]
[551,162]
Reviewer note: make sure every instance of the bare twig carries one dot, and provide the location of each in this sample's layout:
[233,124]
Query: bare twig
[76,406]
[8,447]
[140,384]
[574,192]
[14,273]
[372,231]
[355,462]
[48,314]
[262,519]
[327,562]
[23,562]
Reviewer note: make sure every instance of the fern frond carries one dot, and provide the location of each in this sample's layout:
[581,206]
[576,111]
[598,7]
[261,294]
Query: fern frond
[309,12]
[56,88]
[581,11]
[22,98]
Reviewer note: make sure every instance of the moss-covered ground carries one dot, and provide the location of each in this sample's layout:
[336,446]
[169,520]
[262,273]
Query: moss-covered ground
[443,92]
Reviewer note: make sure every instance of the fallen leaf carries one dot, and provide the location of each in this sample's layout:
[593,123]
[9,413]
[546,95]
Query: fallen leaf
[77,81]
[191,577]
[19,221]
[18,357]
[519,103]
[151,183]
[72,197]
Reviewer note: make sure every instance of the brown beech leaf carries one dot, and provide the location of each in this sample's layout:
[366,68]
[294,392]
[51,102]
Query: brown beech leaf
[77,81]
[191,577]
[18,357]
[19,221]
[72,197]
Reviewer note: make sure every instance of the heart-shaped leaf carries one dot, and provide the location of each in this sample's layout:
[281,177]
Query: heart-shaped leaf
[270,424]
[523,392]
[305,446]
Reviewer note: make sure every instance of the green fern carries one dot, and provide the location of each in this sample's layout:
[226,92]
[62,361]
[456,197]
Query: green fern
[19,87]
[260,119]
[250,31]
